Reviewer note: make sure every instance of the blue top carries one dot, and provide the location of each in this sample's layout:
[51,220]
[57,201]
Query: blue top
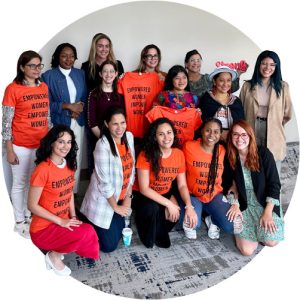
[59,94]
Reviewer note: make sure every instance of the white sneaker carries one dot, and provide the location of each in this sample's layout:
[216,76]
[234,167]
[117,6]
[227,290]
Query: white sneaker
[22,229]
[190,233]
[213,230]
[28,219]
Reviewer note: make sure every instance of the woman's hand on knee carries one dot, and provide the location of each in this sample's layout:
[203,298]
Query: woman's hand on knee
[233,212]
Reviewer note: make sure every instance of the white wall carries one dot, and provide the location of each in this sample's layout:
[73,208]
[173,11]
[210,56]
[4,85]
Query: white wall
[175,28]
[30,24]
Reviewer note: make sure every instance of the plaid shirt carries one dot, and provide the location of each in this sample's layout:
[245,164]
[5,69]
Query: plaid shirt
[106,181]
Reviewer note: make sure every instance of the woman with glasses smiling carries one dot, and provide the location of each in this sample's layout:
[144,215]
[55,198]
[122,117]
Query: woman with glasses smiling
[150,61]
[267,104]
[254,171]
[26,119]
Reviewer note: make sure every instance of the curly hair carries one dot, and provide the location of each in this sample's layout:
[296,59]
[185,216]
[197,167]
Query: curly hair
[57,52]
[151,148]
[172,73]
[45,150]
[252,160]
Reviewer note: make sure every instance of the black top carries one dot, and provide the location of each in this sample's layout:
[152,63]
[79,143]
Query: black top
[94,82]
[266,182]
[210,106]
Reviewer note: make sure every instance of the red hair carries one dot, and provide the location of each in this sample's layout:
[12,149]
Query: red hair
[252,159]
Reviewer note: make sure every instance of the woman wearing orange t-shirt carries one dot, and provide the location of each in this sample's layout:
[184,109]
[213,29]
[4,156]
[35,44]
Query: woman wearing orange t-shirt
[204,169]
[158,165]
[55,227]
[26,119]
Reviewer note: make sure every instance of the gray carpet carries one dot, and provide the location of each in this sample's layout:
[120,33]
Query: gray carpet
[185,268]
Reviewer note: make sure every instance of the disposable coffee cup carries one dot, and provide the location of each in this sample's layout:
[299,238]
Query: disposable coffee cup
[127,234]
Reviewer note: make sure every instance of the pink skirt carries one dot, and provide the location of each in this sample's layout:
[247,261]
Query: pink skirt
[83,240]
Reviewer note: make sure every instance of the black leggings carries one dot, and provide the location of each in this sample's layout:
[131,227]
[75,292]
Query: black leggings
[151,222]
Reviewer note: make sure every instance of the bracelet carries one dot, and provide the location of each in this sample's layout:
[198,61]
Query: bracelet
[74,217]
[187,206]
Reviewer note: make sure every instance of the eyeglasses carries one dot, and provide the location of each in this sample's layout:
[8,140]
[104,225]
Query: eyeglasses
[149,56]
[264,64]
[34,66]
[236,135]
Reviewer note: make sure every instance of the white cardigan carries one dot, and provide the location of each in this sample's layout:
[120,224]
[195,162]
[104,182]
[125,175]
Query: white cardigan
[106,180]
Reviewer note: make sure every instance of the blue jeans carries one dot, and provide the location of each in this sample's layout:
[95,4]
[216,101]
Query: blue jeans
[216,208]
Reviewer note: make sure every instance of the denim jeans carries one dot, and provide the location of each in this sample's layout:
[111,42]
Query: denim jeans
[216,208]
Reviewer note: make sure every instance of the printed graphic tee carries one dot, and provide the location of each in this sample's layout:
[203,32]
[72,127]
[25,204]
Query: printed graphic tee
[197,169]
[57,191]
[139,90]
[31,104]
[186,120]
[127,165]
[169,169]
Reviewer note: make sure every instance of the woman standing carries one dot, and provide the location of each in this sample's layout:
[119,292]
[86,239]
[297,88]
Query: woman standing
[267,104]
[103,97]
[55,227]
[26,119]
[67,94]
[176,93]
[101,50]
[150,61]
[220,103]
[204,161]
[108,197]
[200,83]
[254,171]
[158,165]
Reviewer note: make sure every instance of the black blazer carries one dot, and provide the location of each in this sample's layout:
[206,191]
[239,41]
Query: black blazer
[266,182]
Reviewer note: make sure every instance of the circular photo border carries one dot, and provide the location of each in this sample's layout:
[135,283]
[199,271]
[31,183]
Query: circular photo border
[25,274]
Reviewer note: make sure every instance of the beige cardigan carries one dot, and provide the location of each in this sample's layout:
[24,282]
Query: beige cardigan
[279,113]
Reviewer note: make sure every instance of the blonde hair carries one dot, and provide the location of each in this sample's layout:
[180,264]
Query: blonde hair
[93,52]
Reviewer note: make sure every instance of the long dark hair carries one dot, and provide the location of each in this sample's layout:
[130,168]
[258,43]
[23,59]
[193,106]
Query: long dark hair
[151,147]
[58,50]
[276,78]
[109,113]
[98,90]
[24,58]
[213,168]
[172,73]
[45,150]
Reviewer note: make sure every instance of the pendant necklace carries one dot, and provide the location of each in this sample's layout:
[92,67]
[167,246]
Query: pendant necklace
[108,96]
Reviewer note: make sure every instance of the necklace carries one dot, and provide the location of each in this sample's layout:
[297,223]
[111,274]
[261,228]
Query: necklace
[108,95]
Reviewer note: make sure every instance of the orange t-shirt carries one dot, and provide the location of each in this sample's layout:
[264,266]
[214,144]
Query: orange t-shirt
[127,165]
[186,120]
[197,169]
[169,169]
[31,104]
[139,90]
[57,191]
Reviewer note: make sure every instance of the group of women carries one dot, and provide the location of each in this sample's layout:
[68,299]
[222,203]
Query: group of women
[145,122]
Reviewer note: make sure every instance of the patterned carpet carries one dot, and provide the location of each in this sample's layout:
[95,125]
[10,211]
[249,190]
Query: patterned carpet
[185,268]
